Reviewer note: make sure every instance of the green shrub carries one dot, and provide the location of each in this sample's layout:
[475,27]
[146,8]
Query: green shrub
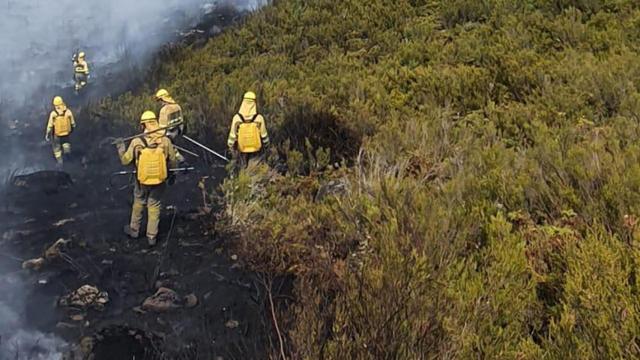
[486,199]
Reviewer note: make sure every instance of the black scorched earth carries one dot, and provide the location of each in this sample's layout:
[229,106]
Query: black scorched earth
[87,283]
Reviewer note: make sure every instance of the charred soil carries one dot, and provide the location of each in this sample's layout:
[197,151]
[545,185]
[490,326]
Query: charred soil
[221,317]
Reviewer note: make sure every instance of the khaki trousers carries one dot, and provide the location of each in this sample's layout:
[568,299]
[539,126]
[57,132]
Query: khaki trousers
[60,145]
[149,196]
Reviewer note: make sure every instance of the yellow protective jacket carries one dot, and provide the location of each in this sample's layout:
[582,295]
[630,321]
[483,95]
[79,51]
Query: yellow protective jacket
[132,152]
[81,67]
[59,111]
[235,123]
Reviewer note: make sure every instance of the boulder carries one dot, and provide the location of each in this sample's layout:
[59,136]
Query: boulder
[163,300]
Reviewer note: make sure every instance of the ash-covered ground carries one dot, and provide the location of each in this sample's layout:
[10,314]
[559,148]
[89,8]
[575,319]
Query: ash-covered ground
[84,205]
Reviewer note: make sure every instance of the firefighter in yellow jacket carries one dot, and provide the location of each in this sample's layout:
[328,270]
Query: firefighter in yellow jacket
[248,135]
[81,71]
[153,155]
[60,125]
[170,115]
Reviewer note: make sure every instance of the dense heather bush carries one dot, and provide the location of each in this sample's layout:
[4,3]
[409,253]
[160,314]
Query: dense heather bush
[492,209]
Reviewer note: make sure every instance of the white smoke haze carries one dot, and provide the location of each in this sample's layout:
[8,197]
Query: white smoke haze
[39,37]
[15,341]
[37,41]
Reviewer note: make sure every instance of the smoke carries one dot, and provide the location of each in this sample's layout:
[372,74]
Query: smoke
[39,37]
[37,41]
[16,342]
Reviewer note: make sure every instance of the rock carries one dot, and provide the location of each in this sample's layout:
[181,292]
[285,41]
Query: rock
[86,296]
[232,324]
[34,264]
[53,252]
[190,301]
[234,257]
[163,300]
[47,180]
[78,317]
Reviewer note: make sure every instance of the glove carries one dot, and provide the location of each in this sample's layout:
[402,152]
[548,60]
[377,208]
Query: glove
[47,137]
[171,179]
[119,144]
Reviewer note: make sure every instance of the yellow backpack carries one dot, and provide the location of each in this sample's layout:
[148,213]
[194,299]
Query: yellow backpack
[175,117]
[249,140]
[152,165]
[61,124]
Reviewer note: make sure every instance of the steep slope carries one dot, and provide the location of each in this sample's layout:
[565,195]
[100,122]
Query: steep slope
[486,205]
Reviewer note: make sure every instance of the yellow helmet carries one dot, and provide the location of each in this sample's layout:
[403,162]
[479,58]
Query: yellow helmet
[57,101]
[162,93]
[148,116]
[250,95]
[81,55]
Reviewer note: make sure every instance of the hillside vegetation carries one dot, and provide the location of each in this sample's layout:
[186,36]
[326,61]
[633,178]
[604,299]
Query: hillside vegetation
[450,179]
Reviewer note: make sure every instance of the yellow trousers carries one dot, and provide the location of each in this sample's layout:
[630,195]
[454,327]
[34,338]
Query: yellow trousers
[151,198]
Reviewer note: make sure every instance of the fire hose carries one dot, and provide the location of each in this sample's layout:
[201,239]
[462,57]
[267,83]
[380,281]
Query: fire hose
[134,172]
[184,136]
[165,250]
[142,134]
[205,148]
[181,149]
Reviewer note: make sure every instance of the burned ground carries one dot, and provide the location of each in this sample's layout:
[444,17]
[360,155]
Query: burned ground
[80,204]
[84,204]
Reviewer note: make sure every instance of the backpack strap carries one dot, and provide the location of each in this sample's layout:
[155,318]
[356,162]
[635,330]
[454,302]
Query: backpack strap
[137,150]
[253,118]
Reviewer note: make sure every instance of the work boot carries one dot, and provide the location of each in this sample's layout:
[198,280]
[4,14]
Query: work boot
[132,234]
[151,240]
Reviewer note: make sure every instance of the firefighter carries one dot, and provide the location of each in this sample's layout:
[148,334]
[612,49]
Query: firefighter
[170,115]
[248,134]
[81,71]
[59,127]
[153,155]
